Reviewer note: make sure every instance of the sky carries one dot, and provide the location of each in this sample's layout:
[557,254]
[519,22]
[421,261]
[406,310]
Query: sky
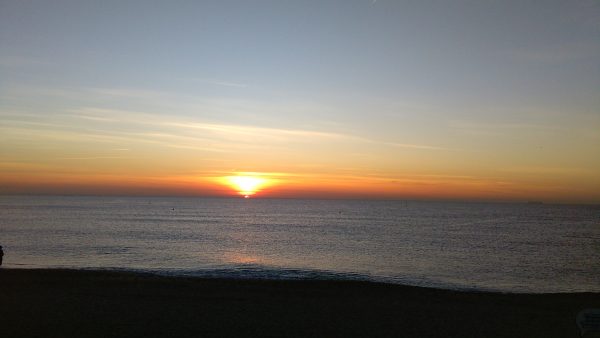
[476,100]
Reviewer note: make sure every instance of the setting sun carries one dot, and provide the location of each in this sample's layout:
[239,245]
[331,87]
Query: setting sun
[246,185]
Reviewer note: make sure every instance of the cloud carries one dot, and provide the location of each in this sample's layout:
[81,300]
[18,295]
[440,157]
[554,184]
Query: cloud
[546,170]
[414,146]
[232,129]
[91,158]
[191,122]
[128,93]
[94,118]
[497,128]
[183,123]
[222,83]
[242,133]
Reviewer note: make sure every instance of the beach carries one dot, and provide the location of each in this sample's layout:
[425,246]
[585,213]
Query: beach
[81,303]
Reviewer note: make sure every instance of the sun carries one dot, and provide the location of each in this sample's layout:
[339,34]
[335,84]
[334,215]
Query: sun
[246,185]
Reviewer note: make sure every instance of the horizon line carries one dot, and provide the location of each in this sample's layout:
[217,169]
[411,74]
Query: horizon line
[349,198]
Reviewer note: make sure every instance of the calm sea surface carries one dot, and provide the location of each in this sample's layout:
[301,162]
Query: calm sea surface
[483,246]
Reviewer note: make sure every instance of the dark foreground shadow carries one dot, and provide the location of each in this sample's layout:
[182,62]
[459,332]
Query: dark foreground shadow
[46,303]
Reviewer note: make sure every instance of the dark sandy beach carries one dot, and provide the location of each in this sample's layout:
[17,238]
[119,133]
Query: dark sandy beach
[69,303]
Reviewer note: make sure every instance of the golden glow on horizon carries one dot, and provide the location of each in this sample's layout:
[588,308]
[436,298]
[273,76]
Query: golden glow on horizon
[278,184]
[246,185]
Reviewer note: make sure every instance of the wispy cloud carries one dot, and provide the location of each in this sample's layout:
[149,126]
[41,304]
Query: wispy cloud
[537,170]
[243,133]
[414,146]
[500,129]
[128,93]
[476,125]
[182,123]
[91,158]
[94,118]
[221,83]
[256,131]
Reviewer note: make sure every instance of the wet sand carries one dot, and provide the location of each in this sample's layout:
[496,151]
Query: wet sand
[71,303]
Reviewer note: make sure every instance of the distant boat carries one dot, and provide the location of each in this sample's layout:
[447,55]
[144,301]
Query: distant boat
[535,202]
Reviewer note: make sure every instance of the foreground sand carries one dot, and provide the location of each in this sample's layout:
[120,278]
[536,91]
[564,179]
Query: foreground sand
[68,303]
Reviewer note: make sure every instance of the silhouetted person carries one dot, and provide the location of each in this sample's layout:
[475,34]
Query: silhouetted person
[1,255]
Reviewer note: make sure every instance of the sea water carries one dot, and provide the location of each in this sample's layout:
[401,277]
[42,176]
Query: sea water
[479,246]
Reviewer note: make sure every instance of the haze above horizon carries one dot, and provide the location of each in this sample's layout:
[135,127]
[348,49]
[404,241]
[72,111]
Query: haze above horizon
[493,100]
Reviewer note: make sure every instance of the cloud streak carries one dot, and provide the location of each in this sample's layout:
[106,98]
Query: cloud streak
[222,83]
[243,132]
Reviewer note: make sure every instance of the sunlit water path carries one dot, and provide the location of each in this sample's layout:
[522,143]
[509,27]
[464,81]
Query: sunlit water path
[483,246]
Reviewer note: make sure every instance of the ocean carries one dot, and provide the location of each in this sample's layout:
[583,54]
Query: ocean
[506,247]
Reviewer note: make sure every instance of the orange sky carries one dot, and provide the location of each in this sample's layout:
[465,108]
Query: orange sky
[298,186]
[133,153]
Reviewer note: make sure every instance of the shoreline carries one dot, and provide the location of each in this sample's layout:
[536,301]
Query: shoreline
[99,303]
[274,275]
